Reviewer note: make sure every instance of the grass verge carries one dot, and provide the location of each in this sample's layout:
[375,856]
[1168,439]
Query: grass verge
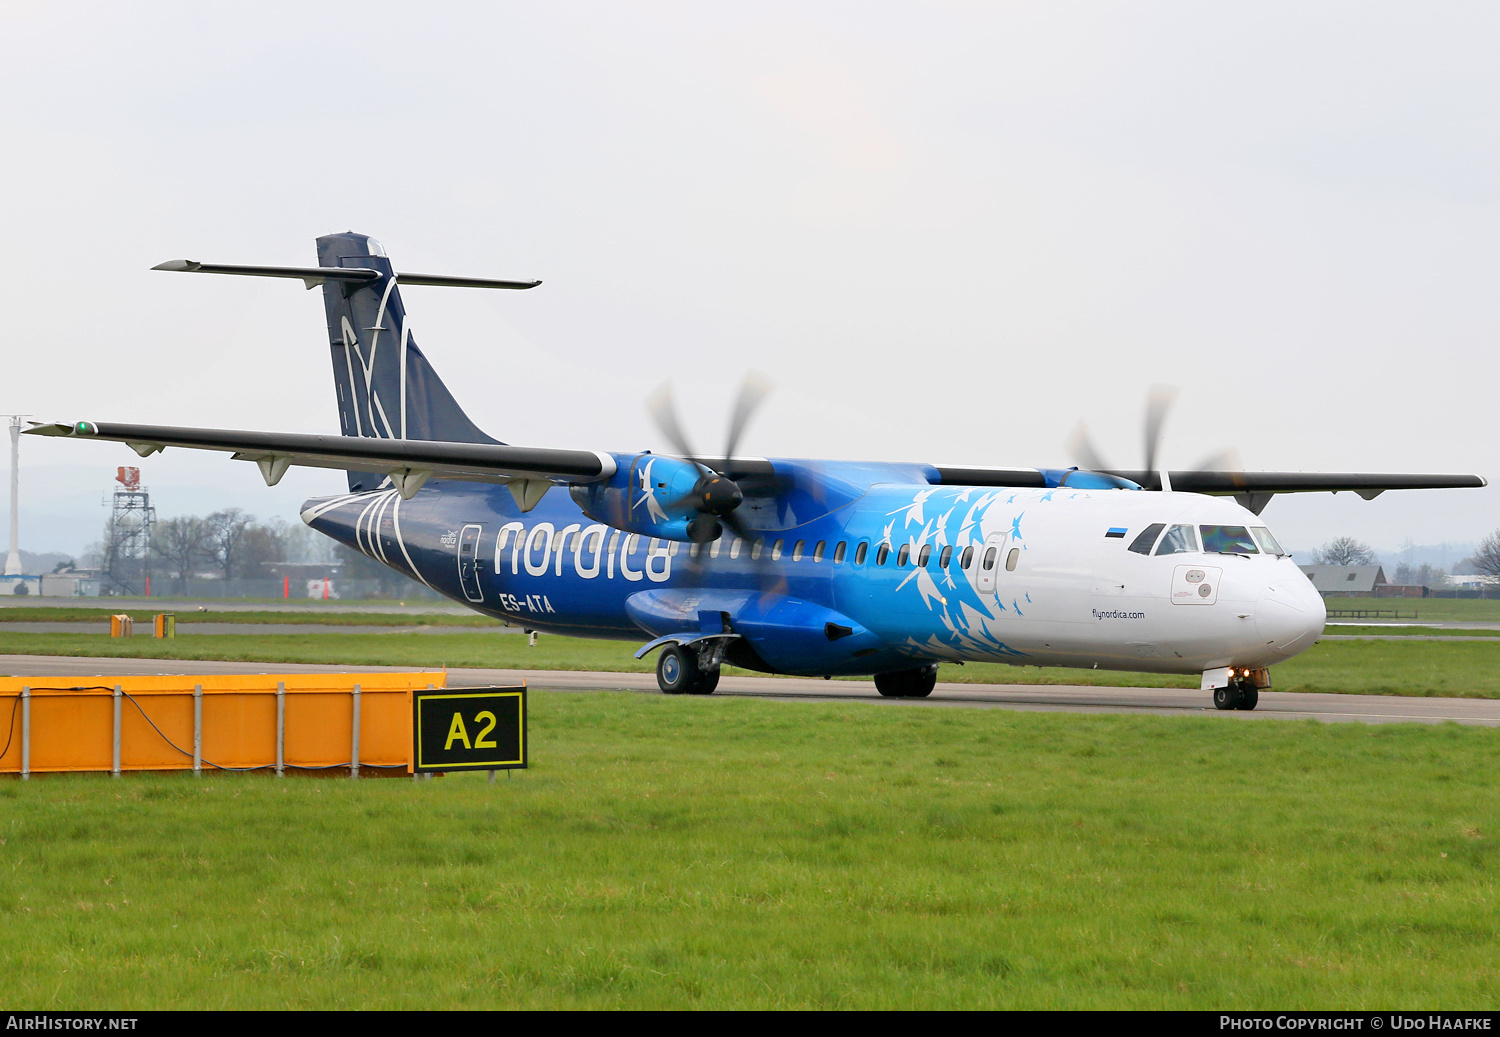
[21,614]
[1465,669]
[745,854]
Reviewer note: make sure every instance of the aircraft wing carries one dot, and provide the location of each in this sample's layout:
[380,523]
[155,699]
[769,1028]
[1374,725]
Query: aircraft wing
[408,462]
[529,470]
[1251,489]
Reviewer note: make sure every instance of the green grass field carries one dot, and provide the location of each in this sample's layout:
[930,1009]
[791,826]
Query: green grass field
[1468,669]
[21,614]
[737,853]
[1473,609]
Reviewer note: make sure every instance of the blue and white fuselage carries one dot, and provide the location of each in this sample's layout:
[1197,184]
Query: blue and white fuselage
[898,574]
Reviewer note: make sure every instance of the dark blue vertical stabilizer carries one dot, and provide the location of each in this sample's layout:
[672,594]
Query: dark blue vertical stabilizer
[384,385]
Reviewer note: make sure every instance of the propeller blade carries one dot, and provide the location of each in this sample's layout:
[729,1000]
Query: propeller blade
[1158,402]
[1227,460]
[753,392]
[768,580]
[663,410]
[1081,449]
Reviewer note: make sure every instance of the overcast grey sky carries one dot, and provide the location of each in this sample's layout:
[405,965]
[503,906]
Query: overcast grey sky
[947,231]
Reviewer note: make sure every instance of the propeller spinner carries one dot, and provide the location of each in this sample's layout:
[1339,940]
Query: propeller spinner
[715,496]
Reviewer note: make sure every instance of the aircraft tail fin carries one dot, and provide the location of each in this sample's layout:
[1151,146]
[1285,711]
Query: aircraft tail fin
[384,384]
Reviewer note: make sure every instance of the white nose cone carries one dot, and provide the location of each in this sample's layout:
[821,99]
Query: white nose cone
[1290,615]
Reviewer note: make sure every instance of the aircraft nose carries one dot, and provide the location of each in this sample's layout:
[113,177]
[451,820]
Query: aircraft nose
[1290,615]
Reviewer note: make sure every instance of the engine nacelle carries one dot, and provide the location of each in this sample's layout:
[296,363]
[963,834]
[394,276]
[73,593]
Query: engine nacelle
[1083,479]
[635,498]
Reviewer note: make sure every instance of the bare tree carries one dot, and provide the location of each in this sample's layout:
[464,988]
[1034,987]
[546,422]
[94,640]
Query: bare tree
[263,544]
[1346,551]
[226,532]
[183,544]
[1487,559]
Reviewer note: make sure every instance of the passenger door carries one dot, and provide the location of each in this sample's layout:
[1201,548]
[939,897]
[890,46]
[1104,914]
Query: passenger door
[468,562]
[990,557]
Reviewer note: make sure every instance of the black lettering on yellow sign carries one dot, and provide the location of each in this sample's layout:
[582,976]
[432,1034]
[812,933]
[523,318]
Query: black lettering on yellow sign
[473,729]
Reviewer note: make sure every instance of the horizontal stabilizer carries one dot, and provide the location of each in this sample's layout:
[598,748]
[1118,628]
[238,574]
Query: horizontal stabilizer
[313,276]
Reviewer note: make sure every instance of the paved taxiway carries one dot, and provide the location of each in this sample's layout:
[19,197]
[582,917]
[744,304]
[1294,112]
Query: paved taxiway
[1369,709]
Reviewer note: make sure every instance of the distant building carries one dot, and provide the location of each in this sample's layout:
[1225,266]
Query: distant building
[20,584]
[72,583]
[1358,581]
[1471,580]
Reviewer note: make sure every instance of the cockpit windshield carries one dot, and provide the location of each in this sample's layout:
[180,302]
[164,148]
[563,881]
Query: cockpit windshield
[1266,541]
[1179,540]
[1228,540]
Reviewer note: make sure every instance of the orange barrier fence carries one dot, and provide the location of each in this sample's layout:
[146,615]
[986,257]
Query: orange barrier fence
[297,721]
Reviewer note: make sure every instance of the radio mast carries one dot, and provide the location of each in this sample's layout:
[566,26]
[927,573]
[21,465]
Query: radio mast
[13,558]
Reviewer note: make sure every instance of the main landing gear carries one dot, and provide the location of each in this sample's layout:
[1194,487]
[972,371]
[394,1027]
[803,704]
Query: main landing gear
[679,671]
[1241,694]
[907,684]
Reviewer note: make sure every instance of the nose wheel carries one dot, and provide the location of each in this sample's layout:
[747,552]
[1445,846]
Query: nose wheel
[1237,695]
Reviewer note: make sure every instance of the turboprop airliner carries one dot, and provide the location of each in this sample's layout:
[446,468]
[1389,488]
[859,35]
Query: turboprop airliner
[794,566]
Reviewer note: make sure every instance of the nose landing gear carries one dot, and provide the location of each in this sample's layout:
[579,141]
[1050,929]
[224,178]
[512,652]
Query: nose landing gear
[1237,695]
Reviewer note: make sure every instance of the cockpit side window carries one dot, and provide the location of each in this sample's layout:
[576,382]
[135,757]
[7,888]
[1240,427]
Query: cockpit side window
[1141,545]
[1228,540]
[1179,540]
[1266,541]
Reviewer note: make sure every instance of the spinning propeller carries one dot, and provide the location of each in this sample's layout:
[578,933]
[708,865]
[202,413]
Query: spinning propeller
[1158,402]
[715,496]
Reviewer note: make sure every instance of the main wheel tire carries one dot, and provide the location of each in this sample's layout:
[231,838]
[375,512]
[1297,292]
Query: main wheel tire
[907,684]
[1249,698]
[1227,697]
[922,682]
[677,671]
[708,680]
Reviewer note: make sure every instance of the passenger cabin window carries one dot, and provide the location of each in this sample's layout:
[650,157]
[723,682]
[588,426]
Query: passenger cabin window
[818,551]
[1179,540]
[756,548]
[838,553]
[1228,540]
[776,549]
[926,554]
[882,554]
[630,542]
[734,547]
[945,557]
[989,559]
[1141,545]
[693,550]
[860,551]
[797,550]
[967,559]
[1011,559]
[1266,541]
[903,555]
